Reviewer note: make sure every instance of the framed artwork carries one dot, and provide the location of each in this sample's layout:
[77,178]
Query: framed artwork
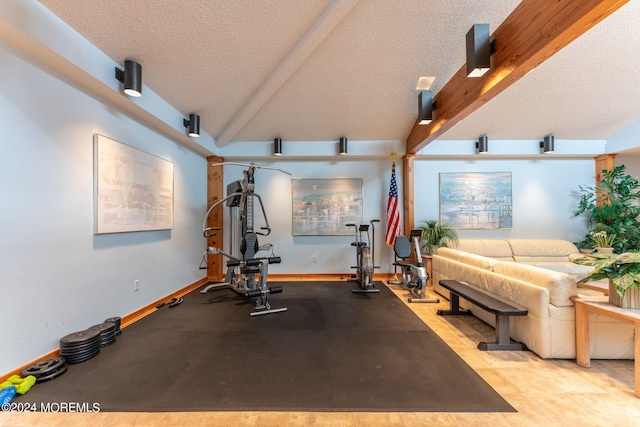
[323,207]
[476,200]
[133,190]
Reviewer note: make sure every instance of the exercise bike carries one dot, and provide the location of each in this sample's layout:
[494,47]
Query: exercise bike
[246,273]
[414,273]
[365,252]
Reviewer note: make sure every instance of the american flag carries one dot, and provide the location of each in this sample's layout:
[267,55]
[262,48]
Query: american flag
[393,214]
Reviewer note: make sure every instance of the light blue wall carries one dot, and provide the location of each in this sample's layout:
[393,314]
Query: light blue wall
[334,254]
[57,276]
[545,194]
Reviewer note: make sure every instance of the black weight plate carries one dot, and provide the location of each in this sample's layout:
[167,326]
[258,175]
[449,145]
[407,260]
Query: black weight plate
[104,327]
[81,358]
[80,347]
[70,353]
[81,337]
[44,367]
[107,343]
[52,375]
[115,320]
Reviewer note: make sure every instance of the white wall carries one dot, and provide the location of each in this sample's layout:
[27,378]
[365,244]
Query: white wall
[57,276]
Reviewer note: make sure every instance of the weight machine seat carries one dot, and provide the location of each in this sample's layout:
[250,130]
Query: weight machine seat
[361,244]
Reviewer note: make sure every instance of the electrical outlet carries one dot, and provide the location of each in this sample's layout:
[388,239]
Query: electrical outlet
[136,285]
[314,258]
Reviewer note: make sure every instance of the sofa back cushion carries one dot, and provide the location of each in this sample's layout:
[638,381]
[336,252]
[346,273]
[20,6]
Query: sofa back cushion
[450,253]
[478,261]
[497,249]
[561,286]
[537,250]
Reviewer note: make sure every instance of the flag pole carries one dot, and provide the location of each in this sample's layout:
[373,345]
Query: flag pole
[394,280]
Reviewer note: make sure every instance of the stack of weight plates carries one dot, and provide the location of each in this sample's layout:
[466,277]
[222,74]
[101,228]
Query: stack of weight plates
[80,346]
[107,333]
[116,321]
[46,370]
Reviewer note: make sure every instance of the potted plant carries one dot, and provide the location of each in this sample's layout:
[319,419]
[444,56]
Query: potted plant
[622,271]
[602,241]
[612,206]
[435,235]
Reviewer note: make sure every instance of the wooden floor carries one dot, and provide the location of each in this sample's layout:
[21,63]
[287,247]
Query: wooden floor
[544,392]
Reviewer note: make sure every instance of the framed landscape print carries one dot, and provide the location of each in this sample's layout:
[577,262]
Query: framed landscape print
[476,200]
[133,190]
[323,207]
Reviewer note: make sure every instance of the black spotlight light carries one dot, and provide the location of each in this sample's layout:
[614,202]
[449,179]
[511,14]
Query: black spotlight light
[193,125]
[131,78]
[482,146]
[277,147]
[548,144]
[343,146]
[479,50]
[425,107]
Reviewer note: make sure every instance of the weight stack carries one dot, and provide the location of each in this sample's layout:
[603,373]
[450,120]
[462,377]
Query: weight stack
[107,333]
[116,321]
[80,346]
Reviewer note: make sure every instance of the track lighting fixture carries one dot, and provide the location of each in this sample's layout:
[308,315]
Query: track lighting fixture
[425,107]
[277,147]
[482,146]
[193,124]
[131,78]
[479,50]
[548,144]
[343,146]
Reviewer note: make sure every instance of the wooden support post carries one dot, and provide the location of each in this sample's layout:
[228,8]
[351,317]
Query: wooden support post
[215,192]
[408,202]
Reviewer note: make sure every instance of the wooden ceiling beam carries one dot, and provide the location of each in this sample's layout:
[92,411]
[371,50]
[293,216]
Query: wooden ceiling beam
[535,30]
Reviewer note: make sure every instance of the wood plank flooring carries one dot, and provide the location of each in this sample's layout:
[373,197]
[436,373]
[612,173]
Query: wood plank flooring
[544,392]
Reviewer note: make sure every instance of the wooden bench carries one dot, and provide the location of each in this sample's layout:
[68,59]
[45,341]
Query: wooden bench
[502,310]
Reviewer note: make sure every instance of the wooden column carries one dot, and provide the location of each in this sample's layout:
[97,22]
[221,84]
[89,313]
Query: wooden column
[602,162]
[408,203]
[215,192]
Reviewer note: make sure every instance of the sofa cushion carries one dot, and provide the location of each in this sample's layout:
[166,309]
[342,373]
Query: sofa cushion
[497,249]
[561,286]
[542,250]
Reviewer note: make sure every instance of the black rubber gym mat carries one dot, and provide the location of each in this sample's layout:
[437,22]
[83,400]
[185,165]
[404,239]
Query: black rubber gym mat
[332,350]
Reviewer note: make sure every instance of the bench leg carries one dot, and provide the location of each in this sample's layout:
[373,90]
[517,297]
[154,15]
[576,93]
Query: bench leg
[454,304]
[503,339]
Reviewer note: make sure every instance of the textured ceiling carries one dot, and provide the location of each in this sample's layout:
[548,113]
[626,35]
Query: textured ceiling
[317,70]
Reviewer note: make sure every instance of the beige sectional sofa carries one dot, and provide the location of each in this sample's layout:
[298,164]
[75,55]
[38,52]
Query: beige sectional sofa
[538,275]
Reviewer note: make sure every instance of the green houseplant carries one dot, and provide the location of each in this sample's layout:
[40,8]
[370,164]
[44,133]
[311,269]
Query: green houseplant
[612,206]
[436,234]
[623,272]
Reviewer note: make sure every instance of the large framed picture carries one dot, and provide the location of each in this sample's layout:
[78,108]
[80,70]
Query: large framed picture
[133,190]
[323,207]
[476,200]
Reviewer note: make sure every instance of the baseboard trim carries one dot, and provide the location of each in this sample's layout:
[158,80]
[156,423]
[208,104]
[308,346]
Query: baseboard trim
[124,322]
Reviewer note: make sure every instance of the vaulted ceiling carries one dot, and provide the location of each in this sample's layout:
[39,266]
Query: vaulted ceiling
[317,70]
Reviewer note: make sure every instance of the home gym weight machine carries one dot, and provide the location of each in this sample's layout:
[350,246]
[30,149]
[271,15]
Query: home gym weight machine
[414,273]
[246,274]
[365,259]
